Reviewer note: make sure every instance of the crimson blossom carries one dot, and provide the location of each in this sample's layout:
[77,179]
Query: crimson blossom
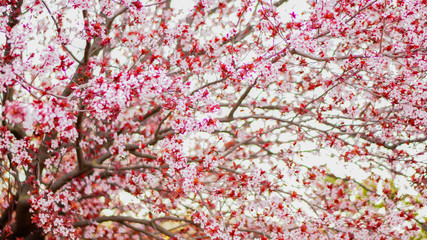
[234,119]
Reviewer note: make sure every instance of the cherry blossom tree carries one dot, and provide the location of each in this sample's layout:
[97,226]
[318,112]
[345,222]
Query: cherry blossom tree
[124,119]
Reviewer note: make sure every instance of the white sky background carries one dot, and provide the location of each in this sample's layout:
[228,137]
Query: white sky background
[323,158]
[338,168]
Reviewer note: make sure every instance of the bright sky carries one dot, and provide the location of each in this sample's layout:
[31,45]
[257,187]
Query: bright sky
[338,168]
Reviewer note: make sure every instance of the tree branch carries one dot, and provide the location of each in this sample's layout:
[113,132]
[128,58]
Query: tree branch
[121,219]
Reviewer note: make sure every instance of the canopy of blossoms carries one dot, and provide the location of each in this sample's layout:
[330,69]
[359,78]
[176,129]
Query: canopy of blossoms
[141,120]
